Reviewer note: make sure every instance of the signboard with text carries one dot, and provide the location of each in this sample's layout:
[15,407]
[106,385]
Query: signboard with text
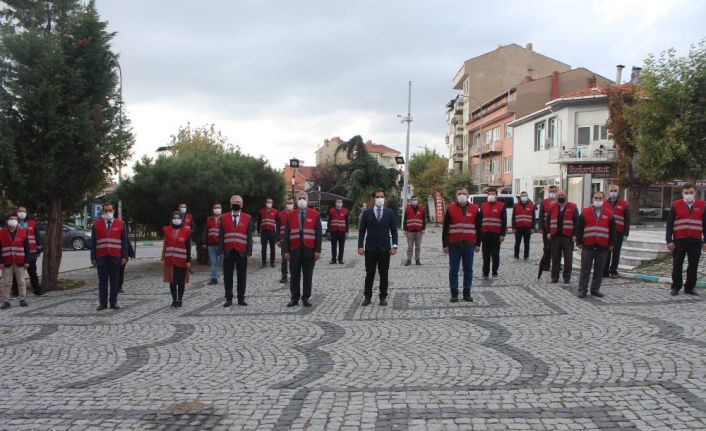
[439,201]
[595,170]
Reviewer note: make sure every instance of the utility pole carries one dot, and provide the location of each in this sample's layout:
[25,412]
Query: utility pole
[408,119]
[120,133]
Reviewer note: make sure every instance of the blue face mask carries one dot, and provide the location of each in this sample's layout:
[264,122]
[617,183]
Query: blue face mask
[614,195]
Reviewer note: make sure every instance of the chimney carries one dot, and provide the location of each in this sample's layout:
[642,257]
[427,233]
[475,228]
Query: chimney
[619,73]
[635,76]
[528,47]
[591,82]
[555,85]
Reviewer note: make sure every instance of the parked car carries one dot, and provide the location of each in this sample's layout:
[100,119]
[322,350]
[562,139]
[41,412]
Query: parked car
[74,237]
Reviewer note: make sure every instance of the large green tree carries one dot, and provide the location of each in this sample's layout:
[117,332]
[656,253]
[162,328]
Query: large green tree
[428,172]
[668,123]
[59,116]
[210,171]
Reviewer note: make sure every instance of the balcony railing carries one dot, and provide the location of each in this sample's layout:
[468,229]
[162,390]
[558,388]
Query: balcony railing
[490,148]
[489,179]
[596,152]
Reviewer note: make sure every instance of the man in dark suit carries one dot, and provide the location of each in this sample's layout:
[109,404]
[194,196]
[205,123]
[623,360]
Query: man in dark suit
[302,248]
[109,251]
[376,226]
[236,246]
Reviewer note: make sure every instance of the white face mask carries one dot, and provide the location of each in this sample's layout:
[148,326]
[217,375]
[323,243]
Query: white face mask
[614,195]
[492,198]
[302,204]
[339,206]
[597,204]
[552,196]
[182,210]
[217,211]
[523,199]
[415,202]
[379,202]
[12,223]
[689,198]
[108,216]
[176,221]
[268,205]
[462,199]
[22,215]
[290,207]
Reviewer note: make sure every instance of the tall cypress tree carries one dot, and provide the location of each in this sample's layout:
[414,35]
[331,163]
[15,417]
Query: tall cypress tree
[60,134]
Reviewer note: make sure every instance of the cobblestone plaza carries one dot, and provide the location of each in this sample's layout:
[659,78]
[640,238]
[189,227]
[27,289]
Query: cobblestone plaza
[524,355]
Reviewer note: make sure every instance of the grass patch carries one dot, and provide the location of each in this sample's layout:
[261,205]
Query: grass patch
[70,284]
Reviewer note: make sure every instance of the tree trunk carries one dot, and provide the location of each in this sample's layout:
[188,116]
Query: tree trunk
[52,247]
[634,202]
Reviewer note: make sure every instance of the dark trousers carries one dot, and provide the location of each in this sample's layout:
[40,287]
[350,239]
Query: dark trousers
[692,251]
[268,237]
[522,234]
[179,282]
[491,250]
[284,264]
[301,264]
[613,258]
[338,241]
[234,261]
[592,258]
[562,246]
[33,279]
[380,260]
[108,270]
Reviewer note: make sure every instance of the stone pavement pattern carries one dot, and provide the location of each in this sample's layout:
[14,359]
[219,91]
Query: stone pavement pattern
[524,355]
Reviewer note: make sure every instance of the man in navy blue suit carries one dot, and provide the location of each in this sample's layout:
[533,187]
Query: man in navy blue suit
[376,226]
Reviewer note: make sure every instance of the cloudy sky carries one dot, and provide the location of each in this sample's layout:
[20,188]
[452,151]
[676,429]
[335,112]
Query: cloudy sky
[278,77]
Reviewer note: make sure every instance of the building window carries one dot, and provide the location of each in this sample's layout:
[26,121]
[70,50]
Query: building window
[508,132]
[507,164]
[494,166]
[600,132]
[517,186]
[488,137]
[496,134]
[583,135]
[551,133]
[539,135]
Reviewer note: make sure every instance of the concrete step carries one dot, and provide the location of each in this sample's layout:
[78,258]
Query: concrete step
[651,253]
[633,260]
[628,264]
[646,245]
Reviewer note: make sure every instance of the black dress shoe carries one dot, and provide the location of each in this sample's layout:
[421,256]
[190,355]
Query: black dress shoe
[582,294]
[228,303]
[40,293]
[114,307]
[567,281]
[675,292]
[688,292]
[306,303]
[333,262]
[340,262]
[174,304]
[5,306]
[555,281]
[383,302]
[242,303]
[283,280]
[292,303]
[366,302]
[408,262]
[23,303]
[597,294]
[418,262]
[213,281]
[178,303]
[454,298]
[101,307]
[468,298]
[495,274]
[272,264]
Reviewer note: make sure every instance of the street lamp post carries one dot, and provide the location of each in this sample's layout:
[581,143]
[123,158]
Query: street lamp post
[294,164]
[406,119]
[120,133]
[480,140]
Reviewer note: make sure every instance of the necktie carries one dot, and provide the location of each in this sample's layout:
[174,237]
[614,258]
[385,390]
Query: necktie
[108,225]
[379,214]
[302,214]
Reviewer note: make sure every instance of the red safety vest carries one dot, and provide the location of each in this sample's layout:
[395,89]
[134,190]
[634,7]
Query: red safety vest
[13,251]
[546,207]
[309,231]
[282,217]
[568,226]
[492,216]
[235,237]
[213,224]
[414,219]
[268,219]
[337,220]
[109,243]
[688,224]
[32,234]
[175,245]
[523,214]
[596,231]
[462,227]
[618,209]
[188,220]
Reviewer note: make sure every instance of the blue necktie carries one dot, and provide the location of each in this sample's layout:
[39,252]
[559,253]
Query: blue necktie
[379,214]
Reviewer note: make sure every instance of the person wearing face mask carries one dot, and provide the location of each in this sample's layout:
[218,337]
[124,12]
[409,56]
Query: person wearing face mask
[267,228]
[14,245]
[377,226]
[302,248]
[235,242]
[460,241]
[337,230]
[187,218]
[621,215]
[594,236]
[560,227]
[414,225]
[523,220]
[176,257]
[685,238]
[210,240]
[35,249]
[281,224]
[110,250]
[493,227]
[543,211]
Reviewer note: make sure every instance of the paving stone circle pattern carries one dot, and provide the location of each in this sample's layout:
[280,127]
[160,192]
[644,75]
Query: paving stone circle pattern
[526,355]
